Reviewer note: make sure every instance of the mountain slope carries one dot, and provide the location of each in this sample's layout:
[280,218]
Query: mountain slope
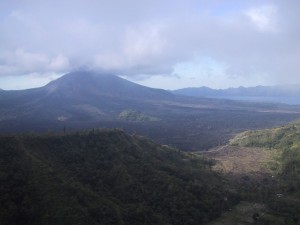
[78,96]
[83,82]
[105,177]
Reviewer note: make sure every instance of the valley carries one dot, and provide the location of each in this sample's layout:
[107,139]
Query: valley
[86,149]
[129,112]
[105,176]
[187,123]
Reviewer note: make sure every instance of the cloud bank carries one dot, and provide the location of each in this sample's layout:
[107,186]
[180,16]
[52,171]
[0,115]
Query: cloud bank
[149,38]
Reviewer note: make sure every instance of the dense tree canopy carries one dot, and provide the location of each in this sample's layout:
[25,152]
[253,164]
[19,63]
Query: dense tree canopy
[105,177]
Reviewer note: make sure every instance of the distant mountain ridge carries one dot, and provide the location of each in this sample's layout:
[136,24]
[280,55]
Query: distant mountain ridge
[274,91]
[287,94]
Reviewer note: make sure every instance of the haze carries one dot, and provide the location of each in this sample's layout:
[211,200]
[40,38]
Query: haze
[163,44]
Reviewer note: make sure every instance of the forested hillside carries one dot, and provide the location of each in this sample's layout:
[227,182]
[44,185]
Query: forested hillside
[285,139]
[105,177]
[284,144]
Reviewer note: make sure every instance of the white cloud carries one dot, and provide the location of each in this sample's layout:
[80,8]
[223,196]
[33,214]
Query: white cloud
[149,38]
[140,48]
[20,62]
[144,42]
[264,17]
[59,63]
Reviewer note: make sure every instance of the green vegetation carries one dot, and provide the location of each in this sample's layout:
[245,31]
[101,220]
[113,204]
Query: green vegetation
[286,140]
[284,144]
[134,115]
[105,177]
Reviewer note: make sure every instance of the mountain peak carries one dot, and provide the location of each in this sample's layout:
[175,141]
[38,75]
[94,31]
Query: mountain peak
[102,84]
[80,79]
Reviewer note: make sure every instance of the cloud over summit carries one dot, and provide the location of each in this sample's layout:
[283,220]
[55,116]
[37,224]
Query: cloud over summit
[257,38]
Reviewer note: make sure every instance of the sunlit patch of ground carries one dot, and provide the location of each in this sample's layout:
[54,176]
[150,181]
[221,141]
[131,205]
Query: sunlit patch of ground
[251,167]
[241,161]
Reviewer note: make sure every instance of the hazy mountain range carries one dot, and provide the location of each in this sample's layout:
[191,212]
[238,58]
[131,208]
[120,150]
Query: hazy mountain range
[289,94]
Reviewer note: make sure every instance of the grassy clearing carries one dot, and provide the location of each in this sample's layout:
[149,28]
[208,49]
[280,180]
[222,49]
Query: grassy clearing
[241,160]
[254,171]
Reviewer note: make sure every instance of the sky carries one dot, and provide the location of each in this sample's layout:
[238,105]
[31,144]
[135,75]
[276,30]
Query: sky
[158,43]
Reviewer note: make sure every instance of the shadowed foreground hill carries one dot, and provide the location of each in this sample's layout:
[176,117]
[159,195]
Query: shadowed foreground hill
[105,177]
